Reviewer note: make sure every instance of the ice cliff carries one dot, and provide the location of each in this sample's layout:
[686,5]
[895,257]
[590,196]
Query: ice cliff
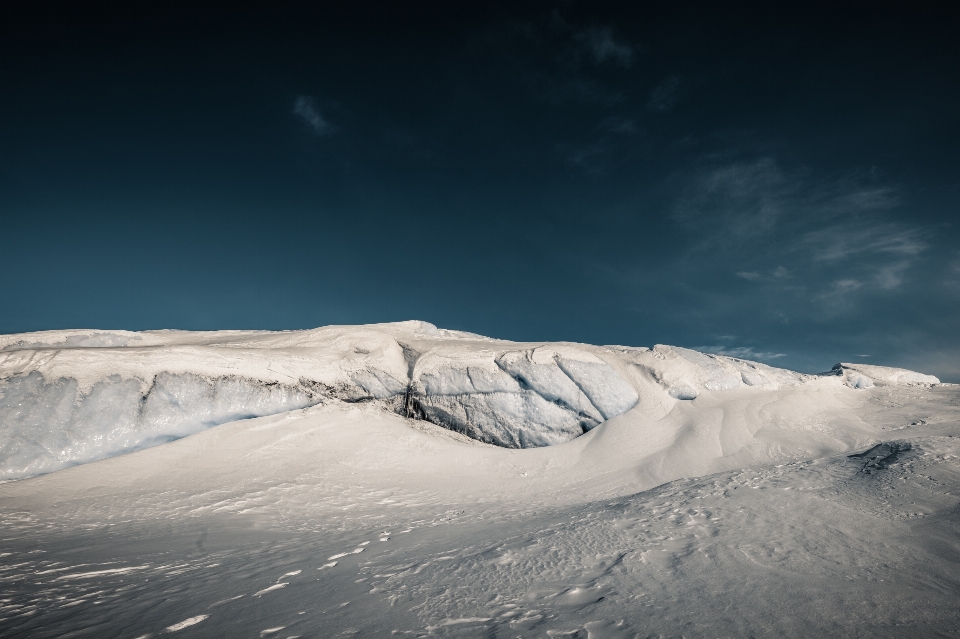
[70,397]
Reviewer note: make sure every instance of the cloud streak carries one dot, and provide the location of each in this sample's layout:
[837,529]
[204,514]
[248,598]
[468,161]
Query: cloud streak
[851,239]
[740,352]
[739,201]
[305,109]
[600,45]
[664,96]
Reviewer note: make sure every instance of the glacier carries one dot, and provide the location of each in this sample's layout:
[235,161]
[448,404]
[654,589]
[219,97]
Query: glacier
[409,480]
[72,397]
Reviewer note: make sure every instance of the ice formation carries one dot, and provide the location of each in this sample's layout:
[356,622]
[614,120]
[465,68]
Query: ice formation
[69,397]
[49,424]
[865,375]
[519,399]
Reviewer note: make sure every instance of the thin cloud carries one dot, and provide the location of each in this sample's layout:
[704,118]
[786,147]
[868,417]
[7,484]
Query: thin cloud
[305,109]
[664,97]
[740,352]
[600,44]
[836,297]
[740,200]
[817,224]
[891,275]
[564,88]
[752,199]
[591,158]
[595,157]
[805,248]
[866,199]
[846,240]
[778,273]
[619,126]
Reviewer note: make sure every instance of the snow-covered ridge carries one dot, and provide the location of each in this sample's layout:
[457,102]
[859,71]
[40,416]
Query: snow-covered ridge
[867,376]
[69,397]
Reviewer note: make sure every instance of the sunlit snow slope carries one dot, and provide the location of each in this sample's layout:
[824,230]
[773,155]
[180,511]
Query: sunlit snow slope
[70,397]
[401,480]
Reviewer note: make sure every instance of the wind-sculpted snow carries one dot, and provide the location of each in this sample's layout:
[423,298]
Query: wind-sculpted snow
[69,397]
[686,373]
[46,425]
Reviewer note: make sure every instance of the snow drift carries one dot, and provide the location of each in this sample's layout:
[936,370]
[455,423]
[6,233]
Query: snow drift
[70,397]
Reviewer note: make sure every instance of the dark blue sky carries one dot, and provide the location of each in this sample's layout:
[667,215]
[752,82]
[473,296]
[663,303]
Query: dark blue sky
[781,184]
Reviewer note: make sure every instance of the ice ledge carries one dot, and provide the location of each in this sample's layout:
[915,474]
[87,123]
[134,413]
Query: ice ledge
[867,376]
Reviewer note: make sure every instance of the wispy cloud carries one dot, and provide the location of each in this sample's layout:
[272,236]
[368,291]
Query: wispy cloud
[555,58]
[739,200]
[740,352]
[591,158]
[952,274]
[891,275]
[596,156]
[864,199]
[778,273]
[835,299]
[747,200]
[812,248]
[564,89]
[305,109]
[619,126]
[600,44]
[849,239]
[664,96]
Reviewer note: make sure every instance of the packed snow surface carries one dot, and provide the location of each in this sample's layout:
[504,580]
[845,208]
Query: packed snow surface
[404,480]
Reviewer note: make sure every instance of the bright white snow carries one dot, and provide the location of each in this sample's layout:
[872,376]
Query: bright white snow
[632,491]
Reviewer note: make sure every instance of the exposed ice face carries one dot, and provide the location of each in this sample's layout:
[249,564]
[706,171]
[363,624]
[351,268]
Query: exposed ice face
[49,425]
[514,420]
[520,399]
[379,384]
[602,385]
[517,399]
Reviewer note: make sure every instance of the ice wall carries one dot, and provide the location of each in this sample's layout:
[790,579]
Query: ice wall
[69,397]
[518,399]
[46,425]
